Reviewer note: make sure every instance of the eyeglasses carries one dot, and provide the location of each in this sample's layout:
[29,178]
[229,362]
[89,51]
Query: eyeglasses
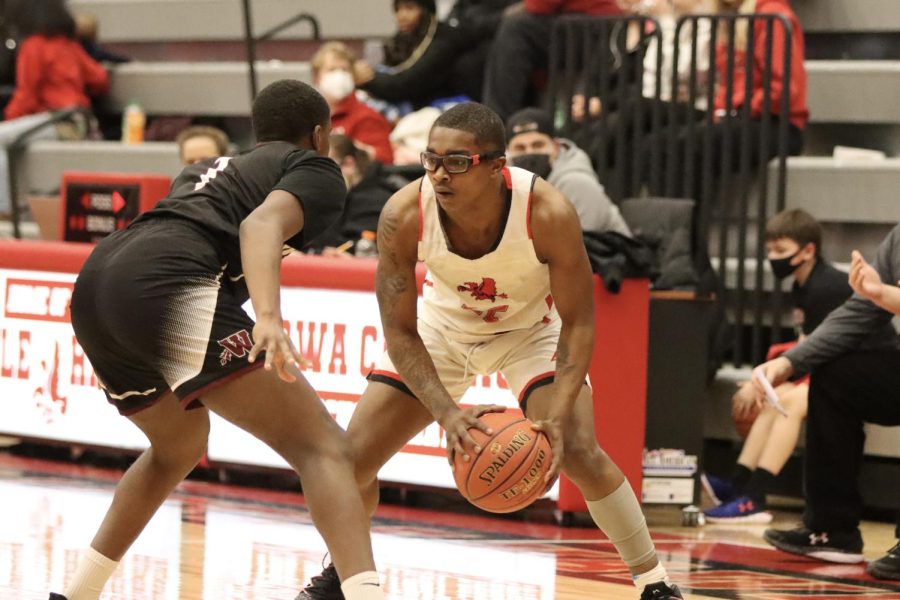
[456,163]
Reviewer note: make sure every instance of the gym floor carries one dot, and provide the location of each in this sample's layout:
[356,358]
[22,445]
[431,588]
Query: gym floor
[214,541]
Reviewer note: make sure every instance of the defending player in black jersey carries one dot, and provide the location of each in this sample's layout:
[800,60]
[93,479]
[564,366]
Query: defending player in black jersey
[157,309]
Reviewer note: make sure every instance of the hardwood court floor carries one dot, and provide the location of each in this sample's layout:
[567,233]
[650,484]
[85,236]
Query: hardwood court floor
[213,542]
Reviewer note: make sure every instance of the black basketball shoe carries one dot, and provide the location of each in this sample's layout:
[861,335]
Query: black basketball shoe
[888,566]
[661,591]
[325,586]
[57,596]
[828,546]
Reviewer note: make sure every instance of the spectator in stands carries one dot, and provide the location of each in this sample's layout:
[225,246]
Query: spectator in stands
[201,142]
[332,68]
[86,30]
[855,379]
[521,45]
[730,100]
[531,145]
[418,59]
[794,241]
[53,72]
[367,193]
[624,113]
[477,22]
[410,137]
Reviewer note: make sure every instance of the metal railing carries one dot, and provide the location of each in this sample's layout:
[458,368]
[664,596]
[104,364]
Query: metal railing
[651,141]
[17,147]
[251,39]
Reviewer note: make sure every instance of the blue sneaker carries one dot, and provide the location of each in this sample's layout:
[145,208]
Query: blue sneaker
[719,489]
[740,510]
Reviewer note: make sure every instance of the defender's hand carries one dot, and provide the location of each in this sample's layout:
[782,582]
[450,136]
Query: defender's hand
[270,337]
[456,425]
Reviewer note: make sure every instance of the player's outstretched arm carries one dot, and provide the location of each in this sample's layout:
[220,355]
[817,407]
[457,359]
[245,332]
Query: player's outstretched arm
[558,242]
[262,235]
[395,287]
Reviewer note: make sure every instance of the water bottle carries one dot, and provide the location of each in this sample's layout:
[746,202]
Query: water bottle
[133,121]
[365,246]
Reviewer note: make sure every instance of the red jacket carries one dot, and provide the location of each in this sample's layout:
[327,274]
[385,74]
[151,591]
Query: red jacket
[798,109]
[588,7]
[365,125]
[54,73]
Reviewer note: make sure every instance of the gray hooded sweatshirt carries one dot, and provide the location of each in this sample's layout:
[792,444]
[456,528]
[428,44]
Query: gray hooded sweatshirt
[857,324]
[574,176]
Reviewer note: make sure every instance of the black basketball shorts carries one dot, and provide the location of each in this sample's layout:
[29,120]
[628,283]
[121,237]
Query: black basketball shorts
[154,311]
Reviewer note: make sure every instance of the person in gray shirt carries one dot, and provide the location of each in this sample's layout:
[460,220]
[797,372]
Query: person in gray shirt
[530,144]
[855,368]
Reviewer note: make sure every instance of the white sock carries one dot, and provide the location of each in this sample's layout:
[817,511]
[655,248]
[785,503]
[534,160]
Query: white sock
[91,575]
[657,573]
[363,586]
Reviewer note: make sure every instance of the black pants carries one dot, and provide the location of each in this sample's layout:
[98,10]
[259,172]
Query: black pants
[843,394]
[675,176]
[520,47]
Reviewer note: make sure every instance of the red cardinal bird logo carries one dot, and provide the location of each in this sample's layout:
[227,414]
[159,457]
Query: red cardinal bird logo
[486,290]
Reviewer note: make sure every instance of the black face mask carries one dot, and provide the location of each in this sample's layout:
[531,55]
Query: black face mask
[538,164]
[782,267]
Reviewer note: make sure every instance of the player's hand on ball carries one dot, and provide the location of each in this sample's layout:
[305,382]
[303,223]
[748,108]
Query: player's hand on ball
[553,430]
[457,425]
[270,337]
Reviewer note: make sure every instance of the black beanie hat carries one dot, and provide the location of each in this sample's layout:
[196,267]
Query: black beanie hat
[427,5]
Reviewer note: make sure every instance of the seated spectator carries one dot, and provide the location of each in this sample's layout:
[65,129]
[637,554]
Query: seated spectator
[794,241]
[86,31]
[854,368]
[729,100]
[53,72]
[410,137]
[531,145]
[367,193]
[418,59]
[521,46]
[615,116]
[477,22]
[332,69]
[201,142]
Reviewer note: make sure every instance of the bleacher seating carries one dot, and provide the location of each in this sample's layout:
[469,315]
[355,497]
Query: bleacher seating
[857,91]
[196,88]
[135,21]
[840,15]
[44,162]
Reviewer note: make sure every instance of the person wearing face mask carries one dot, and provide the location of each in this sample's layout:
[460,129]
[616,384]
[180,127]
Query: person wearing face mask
[332,68]
[793,242]
[531,145]
[853,359]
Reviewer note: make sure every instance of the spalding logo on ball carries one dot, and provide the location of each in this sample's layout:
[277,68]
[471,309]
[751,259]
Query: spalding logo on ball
[508,474]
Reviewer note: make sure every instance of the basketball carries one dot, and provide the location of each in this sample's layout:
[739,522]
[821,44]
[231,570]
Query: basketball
[508,474]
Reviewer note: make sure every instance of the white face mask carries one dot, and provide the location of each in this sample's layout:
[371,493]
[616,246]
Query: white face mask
[336,85]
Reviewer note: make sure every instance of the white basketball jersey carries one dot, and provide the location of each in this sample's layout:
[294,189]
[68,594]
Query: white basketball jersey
[506,289]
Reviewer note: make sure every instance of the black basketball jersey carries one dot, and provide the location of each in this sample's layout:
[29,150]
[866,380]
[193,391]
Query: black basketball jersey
[217,194]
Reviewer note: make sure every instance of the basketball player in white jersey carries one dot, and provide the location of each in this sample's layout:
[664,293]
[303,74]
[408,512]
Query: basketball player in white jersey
[508,289]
